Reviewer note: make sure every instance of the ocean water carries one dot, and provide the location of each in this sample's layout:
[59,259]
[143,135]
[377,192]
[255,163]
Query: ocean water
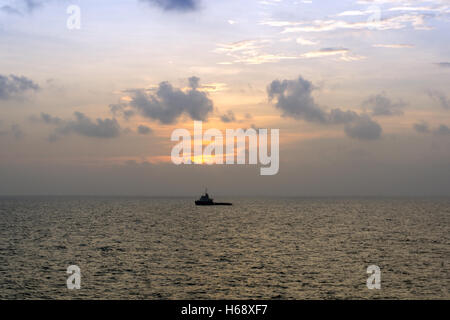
[146,248]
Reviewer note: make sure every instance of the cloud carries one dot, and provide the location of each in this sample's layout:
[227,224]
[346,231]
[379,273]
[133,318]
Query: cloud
[381,105]
[393,46]
[443,64]
[440,97]
[15,131]
[121,109]
[418,9]
[169,103]
[442,130]
[251,52]
[142,129]
[14,86]
[343,53]
[294,98]
[421,127]
[306,42]
[262,58]
[228,117]
[194,82]
[82,125]
[324,52]
[337,116]
[50,119]
[21,7]
[175,5]
[355,13]
[243,45]
[363,128]
[417,21]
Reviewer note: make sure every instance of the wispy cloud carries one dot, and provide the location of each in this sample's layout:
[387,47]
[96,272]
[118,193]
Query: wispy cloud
[417,21]
[276,23]
[393,46]
[241,46]
[343,53]
[306,42]
[252,52]
[420,9]
[269,2]
[355,13]
[325,52]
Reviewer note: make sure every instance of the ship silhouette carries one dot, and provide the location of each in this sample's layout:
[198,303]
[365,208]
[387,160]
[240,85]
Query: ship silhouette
[205,200]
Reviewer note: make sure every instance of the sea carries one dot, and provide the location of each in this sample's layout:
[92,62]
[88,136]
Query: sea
[259,248]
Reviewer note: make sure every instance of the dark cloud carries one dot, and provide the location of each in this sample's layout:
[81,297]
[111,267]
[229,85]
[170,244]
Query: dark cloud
[50,119]
[82,125]
[380,105]
[228,117]
[169,103]
[337,116]
[121,109]
[13,86]
[10,10]
[421,127]
[142,129]
[21,6]
[194,82]
[442,130]
[294,98]
[16,131]
[443,64]
[175,5]
[364,129]
[440,98]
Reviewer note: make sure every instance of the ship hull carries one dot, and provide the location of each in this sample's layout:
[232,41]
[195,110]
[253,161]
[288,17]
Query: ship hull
[204,203]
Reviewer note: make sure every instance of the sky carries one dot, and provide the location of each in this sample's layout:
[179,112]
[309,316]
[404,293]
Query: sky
[358,89]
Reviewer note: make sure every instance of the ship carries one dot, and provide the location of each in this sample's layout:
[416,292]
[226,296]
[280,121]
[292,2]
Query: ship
[205,200]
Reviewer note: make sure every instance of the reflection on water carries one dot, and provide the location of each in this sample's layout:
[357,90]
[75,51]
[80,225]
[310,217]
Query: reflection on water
[144,248]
